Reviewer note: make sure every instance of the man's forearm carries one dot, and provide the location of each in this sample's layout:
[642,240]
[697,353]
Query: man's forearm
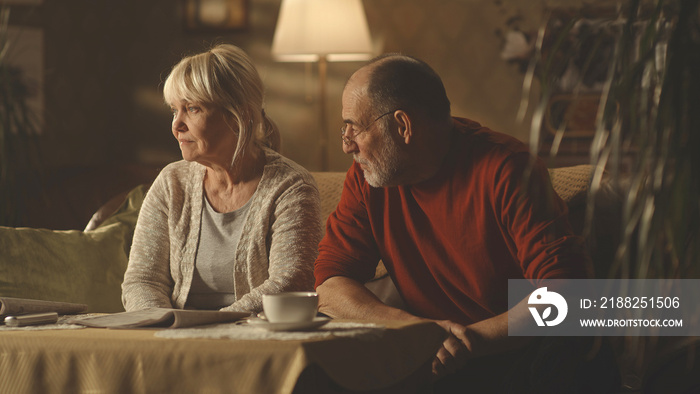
[342,297]
[491,335]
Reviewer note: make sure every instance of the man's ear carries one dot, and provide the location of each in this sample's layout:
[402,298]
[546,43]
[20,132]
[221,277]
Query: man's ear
[405,125]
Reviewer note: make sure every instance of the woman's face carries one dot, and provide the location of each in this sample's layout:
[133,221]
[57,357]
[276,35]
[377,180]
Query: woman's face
[203,133]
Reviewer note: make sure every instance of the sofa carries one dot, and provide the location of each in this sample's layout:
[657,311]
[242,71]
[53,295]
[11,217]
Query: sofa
[87,266]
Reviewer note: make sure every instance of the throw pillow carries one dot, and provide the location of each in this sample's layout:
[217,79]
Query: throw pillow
[72,266]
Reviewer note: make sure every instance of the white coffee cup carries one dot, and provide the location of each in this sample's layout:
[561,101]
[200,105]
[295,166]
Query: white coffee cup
[290,307]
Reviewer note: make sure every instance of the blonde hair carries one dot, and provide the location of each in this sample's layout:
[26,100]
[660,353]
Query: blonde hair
[224,76]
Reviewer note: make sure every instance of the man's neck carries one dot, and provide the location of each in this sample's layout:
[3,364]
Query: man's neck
[431,158]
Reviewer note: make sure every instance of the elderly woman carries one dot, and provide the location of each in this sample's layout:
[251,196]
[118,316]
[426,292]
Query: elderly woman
[234,220]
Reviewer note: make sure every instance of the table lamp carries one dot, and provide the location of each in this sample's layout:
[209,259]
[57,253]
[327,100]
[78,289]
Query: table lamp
[321,31]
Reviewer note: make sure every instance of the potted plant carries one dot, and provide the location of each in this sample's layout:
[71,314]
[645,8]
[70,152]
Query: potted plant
[646,139]
[19,160]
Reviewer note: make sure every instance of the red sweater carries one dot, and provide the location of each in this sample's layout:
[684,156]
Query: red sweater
[451,243]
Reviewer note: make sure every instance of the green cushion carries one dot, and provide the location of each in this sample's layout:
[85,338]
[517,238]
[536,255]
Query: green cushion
[72,266]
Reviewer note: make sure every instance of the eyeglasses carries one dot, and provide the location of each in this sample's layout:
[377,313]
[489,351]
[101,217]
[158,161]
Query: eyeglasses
[351,137]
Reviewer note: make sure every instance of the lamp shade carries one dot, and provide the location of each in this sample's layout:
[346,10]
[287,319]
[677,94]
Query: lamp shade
[309,29]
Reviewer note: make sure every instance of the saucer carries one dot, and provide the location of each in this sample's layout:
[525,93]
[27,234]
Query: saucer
[300,326]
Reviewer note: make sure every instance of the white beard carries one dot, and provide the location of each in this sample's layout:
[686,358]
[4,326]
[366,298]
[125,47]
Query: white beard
[388,164]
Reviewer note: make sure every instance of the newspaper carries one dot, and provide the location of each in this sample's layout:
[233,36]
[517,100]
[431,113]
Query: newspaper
[159,317]
[22,306]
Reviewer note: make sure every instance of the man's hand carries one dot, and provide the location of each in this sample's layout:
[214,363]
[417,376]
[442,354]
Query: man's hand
[455,350]
[482,338]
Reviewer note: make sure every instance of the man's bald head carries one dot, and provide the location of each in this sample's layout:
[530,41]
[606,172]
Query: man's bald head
[396,81]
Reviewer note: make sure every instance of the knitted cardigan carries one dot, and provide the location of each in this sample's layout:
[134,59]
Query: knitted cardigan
[276,251]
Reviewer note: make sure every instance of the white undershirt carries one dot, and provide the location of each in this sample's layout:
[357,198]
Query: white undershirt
[212,282]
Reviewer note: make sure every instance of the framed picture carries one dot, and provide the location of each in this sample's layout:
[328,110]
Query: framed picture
[22,2]
[577,47]
[215,15]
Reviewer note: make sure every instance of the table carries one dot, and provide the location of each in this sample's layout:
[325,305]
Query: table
[136,361]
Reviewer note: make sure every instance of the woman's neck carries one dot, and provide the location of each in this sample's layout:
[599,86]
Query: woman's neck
[249,166]
[230,188]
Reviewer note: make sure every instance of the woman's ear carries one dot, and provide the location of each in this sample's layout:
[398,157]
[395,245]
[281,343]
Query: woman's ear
[405,125]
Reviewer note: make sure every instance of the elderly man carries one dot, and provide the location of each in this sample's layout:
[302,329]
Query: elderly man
[452,208]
